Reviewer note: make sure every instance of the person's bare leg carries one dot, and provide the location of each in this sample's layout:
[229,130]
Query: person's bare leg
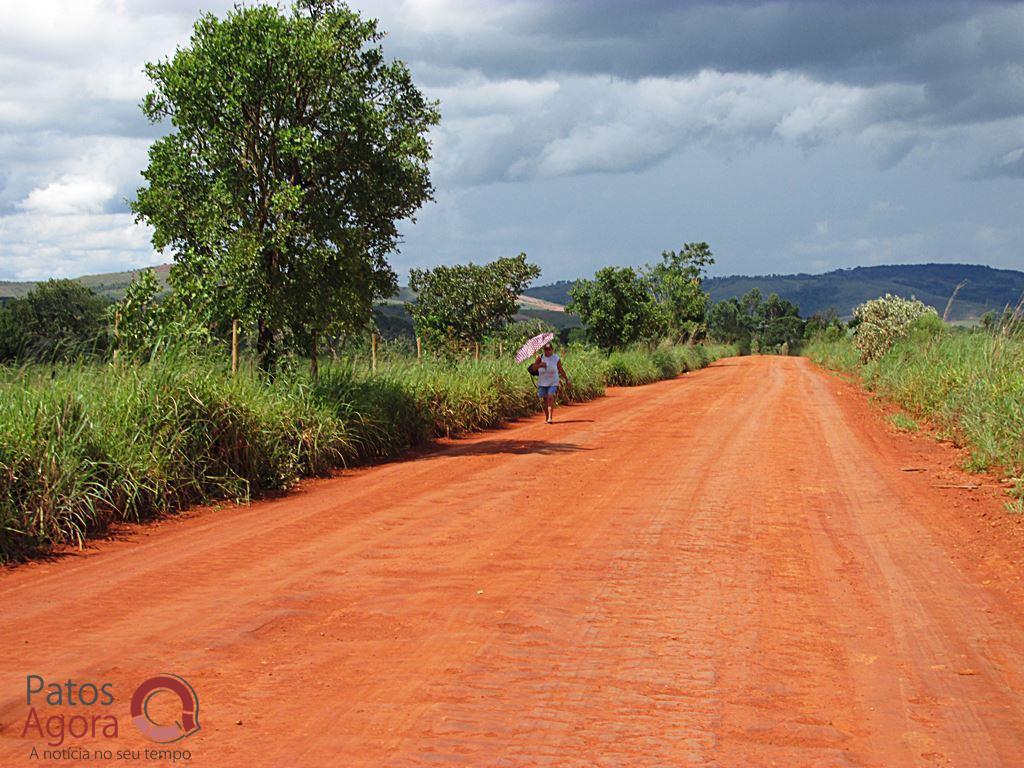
[550,409]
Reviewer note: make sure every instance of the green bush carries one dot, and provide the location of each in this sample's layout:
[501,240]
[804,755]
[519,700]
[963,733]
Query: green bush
[884,321]
[632,367]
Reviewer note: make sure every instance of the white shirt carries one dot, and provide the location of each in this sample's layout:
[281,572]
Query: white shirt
[548,377]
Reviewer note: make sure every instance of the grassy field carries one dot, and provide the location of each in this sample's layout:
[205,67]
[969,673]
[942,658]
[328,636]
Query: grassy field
[968,383]
[83,446]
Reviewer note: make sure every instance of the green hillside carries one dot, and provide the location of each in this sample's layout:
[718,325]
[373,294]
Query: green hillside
[112,285]
[843,289]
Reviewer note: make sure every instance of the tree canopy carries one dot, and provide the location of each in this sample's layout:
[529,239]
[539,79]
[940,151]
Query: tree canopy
[675,282]
[617,307]
[458,305]
[622,306]
[295,150]
[57,319]
[755,324]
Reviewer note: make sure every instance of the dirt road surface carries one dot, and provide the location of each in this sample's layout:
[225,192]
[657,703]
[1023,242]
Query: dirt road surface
[742,567]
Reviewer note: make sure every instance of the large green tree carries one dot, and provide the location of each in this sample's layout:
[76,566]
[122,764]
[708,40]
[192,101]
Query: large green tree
[295,148]
[676,284]
[617,307]
[458,305]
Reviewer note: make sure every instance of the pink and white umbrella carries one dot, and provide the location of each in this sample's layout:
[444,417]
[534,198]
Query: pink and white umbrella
[533,346]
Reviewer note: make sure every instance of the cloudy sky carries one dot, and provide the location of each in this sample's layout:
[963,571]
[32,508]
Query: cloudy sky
[792,136]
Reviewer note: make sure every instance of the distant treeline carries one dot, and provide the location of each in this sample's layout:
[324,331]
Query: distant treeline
[985,288]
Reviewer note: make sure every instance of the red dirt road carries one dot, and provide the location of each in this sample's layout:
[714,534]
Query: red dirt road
[730,569]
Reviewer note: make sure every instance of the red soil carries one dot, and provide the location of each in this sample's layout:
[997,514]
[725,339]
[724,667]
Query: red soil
[732,569]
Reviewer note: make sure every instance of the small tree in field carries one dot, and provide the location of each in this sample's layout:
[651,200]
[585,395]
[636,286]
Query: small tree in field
[57,319]
[458,306]
[882,322]
[295,149]
[149,318]
[617,308]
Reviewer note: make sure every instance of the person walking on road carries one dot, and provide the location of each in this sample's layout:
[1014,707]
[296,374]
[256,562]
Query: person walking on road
[550,373]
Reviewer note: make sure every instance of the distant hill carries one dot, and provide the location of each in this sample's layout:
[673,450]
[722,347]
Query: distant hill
[392,318]
[844,289]
[555,293]
[112,285]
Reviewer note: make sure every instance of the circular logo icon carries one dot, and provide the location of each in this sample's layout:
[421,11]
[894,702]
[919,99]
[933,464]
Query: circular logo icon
[158,732]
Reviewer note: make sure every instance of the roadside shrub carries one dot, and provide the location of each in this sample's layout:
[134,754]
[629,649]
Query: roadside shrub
[927,324]
[586,367]
[967,383]
[632,367]
[82,446]
[665,363]
[381,412]
[882,322]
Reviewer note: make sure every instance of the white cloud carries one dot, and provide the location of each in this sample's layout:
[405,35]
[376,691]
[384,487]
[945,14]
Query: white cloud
[36,244]
[70,195]
[72,138]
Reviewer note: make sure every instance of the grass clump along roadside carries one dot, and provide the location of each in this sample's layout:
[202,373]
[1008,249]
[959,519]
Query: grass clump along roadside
[84,445]
[967,382]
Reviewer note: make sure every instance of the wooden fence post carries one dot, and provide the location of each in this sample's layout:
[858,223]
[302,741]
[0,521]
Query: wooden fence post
[234,347]
[373,352]
[419,351]
[117,322]
[476,351]
[501,348]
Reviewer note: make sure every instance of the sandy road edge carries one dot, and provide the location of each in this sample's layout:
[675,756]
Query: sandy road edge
[974,521]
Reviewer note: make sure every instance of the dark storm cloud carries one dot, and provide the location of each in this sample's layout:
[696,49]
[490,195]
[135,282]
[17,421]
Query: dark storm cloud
[968,56]
[856,43]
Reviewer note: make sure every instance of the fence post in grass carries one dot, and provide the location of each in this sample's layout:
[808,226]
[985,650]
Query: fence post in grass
[373,352]
[234,347]
[476,351]
[419,351]
[501,348]
[117,322]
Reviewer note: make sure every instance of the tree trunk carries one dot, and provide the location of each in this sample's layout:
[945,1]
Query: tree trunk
[265,345]
[265,342]
[234,347]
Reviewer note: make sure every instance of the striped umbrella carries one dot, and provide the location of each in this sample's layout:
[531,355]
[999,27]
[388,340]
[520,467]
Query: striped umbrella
[533,346]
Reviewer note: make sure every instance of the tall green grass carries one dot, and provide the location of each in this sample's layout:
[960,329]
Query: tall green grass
[969,383]
[84,445]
